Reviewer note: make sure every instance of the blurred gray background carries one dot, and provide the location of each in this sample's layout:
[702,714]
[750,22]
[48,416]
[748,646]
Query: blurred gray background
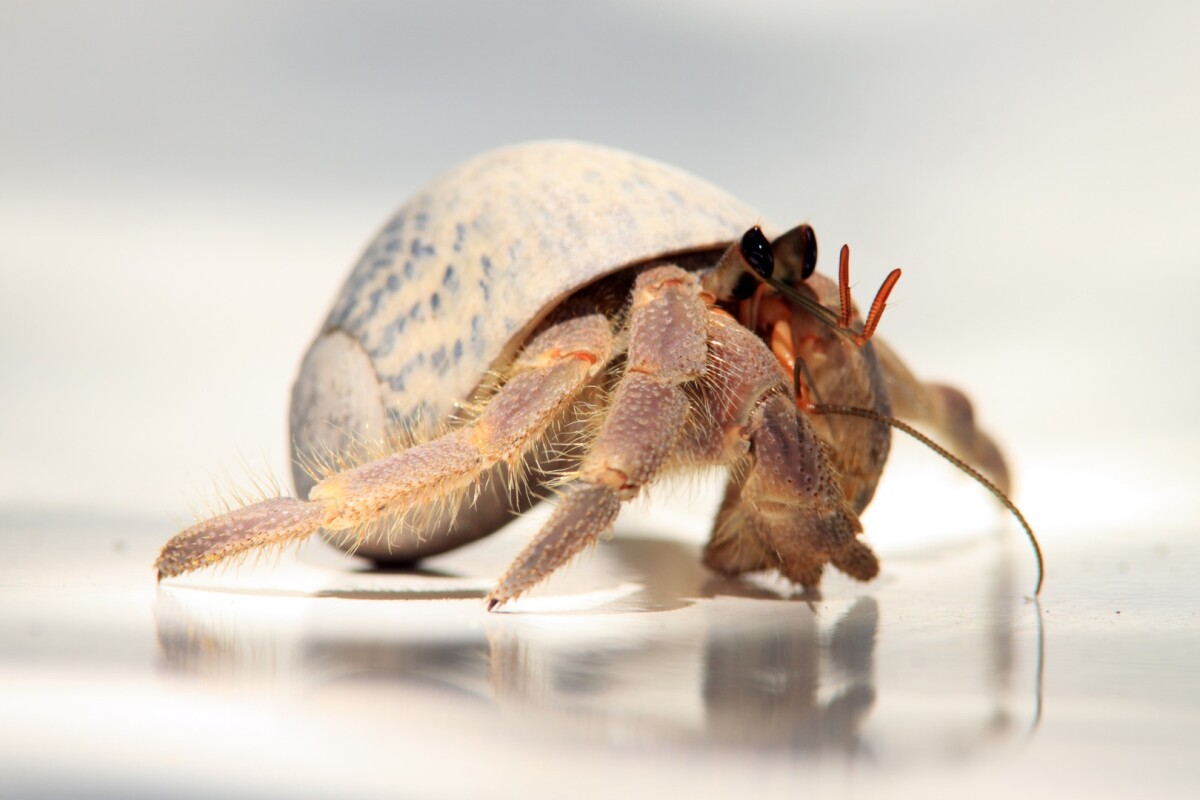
[184,186]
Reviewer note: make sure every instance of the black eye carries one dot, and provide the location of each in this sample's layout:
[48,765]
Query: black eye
[757,252]
[797,250]
[808,248]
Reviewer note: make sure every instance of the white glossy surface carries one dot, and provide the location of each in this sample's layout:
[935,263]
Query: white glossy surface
[636,672]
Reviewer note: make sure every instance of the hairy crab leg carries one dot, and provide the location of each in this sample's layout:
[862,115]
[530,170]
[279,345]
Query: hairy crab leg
[544,382]
[789,506]
[648,410]
[276,522]
[785,508]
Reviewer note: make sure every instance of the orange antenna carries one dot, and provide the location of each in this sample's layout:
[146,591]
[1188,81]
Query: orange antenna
[844,286]
[877,306]
[840,322]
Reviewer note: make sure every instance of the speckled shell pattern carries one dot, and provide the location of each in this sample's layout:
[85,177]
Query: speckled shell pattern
[461,274]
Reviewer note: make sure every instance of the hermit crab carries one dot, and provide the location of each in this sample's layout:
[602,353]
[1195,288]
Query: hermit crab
[569,319]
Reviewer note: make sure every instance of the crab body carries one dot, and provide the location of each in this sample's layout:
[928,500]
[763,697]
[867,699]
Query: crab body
[455,283]
[537,282]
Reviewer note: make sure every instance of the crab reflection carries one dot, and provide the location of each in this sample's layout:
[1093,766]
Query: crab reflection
[786,680]
[772,687]
[745,668]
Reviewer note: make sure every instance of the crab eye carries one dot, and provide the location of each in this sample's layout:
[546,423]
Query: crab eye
[808,244]
[757,252]
[798,250]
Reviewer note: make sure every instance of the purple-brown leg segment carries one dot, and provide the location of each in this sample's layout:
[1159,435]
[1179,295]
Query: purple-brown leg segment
[543,384]
[784,508]
[835,369]
[649,409]
[791,504]
[271,523]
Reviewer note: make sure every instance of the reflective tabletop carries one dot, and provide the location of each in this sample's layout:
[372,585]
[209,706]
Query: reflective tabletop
[636,672]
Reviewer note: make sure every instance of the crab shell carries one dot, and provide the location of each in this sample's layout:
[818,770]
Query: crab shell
[455,282]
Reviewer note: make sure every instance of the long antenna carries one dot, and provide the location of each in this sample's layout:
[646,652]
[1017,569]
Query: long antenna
[866,413]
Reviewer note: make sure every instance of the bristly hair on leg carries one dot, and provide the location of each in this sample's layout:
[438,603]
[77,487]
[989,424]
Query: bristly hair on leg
[228,492]
[410,522]
[272,522]
[570,438]
[357,450]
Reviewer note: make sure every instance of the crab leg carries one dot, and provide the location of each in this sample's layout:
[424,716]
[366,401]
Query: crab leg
[784,508]
[275,522]
[545,380]
[790,506]
[666,349]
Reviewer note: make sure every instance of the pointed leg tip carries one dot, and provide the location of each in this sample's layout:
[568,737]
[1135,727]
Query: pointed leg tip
[492,603]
